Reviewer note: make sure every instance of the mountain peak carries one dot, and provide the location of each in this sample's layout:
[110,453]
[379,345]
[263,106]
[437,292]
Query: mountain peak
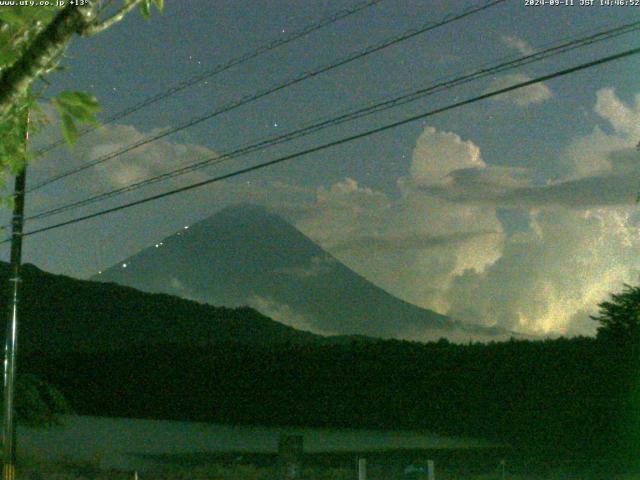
[243,208]
[241,211]
[247,255]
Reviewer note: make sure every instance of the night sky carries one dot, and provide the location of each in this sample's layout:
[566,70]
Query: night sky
[518,211]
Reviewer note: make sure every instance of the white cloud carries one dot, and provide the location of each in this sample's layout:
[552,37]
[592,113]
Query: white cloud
[437,154]
[564,265]
[151,159]
[408,242]
[411,245]
[522,97]
[600,169]
[283,313]
[592,191]
[600,153]
[518,44]
[96,244]
[583,241]
[623,118]
[317,266]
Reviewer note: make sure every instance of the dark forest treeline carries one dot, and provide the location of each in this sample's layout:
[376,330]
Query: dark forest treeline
[573,398]
[115,351]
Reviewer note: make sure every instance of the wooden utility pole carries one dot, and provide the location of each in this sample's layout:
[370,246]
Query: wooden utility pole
[11,340]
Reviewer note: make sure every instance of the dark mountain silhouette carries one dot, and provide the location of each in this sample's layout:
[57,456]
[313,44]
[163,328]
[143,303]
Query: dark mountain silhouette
[115,351]
[244,255]
[62,314]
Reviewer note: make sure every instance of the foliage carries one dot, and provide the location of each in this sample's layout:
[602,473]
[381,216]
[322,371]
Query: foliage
[619,317]
[31,49]
[12,132]
[39,404]
[145,7]
[19,26]
[116,351]
[562,397]
[97,316]
[75,107]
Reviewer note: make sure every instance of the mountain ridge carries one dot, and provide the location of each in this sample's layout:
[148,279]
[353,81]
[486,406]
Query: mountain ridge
[61,313]
[245,254]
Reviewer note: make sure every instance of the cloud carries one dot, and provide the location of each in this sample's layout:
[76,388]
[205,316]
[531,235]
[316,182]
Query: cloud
[154,159]
[408,242]
[184,292]
[96,244]
[437,154]
[140,163]
[623,118]
[411,244]
[437,241]
[583,240]
[317,266]
[545,278]
[522,97]
[283,313]
[600,169]
[609,189]
[518,44]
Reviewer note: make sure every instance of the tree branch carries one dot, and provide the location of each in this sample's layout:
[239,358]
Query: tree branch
[45,48]
[94,28]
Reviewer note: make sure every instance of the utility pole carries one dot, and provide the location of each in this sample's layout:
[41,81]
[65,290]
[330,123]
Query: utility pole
[11,341]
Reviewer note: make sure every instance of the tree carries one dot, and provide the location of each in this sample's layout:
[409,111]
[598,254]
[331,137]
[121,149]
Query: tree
[39,404]
[619,317]
[34,39]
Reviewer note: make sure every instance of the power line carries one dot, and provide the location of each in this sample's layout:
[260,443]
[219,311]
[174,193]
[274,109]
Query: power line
[263,93]
[341,141]
[362,112]
[178,87]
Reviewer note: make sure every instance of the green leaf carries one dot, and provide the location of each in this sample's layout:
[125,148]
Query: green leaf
[7,56]
[69,130]
[79,99]
[75,107]
[24,15]
[145,8]
[79,114]
[159,4]
[14,15]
